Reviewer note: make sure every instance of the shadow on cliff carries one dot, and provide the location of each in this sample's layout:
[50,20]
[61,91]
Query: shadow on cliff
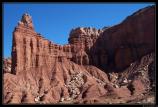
[119,46]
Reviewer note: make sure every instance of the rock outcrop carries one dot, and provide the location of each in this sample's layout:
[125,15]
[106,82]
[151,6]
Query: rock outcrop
[126,42]
[44,73]
[85,70]
[81,40]
[30,50]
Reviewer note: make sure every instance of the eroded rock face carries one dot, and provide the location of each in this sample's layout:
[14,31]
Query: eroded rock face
[83,71]
[128,41]
[81,40]
[66,81]
[43,71]
[30,50]
[7,65]
[87,36]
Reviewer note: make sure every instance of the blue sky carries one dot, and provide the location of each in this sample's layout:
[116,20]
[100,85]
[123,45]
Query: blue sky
[55,21]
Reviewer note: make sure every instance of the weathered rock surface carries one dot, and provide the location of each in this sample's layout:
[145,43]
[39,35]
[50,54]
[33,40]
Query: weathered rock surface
[66,81]
[83,71]
[81,41]
[126,42]
[7,65]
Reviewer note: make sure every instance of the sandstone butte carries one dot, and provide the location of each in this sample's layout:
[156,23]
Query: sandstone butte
[107,66]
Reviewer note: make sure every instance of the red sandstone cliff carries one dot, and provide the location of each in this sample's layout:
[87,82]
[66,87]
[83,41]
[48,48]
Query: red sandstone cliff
[44,72]
[126,42]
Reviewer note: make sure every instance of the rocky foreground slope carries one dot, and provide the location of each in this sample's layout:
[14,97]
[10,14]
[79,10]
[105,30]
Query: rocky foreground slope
[110,65]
